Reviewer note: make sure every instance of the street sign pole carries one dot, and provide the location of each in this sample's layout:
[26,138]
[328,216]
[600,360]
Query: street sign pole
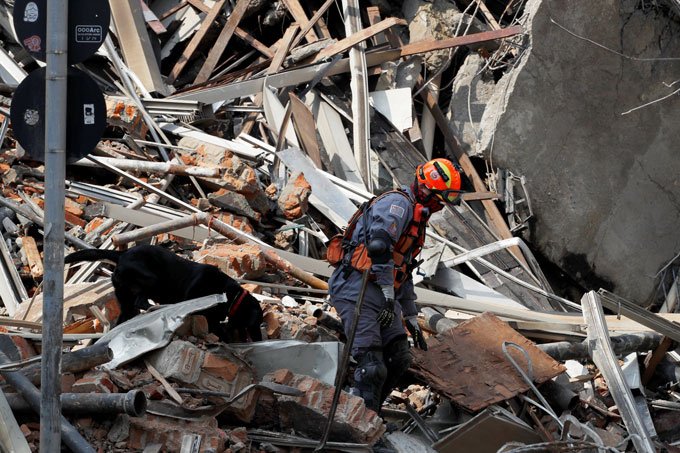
[55,172]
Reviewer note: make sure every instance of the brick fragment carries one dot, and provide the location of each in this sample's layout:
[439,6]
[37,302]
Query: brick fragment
[236,260]
[307,414]
[123,113]
[294,198]
[97,381]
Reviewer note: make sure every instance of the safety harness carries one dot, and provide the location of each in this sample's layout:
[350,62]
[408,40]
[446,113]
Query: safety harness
[354,254]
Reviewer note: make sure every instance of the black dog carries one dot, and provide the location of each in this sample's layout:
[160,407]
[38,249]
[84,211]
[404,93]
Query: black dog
[151,272]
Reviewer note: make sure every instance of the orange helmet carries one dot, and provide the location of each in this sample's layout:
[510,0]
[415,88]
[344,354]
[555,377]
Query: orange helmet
[441,177]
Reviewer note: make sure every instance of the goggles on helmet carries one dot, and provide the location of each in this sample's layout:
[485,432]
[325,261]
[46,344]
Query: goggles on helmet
[447,196]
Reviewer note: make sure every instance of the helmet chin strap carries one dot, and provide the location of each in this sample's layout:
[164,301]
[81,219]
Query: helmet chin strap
[430,201]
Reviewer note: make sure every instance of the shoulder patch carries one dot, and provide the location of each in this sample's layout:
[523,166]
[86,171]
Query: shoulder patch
[397,210]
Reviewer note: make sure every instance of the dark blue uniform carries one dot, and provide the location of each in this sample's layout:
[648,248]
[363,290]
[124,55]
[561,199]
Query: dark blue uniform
[382,353]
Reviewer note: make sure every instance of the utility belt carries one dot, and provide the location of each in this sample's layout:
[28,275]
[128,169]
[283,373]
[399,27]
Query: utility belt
[357,260]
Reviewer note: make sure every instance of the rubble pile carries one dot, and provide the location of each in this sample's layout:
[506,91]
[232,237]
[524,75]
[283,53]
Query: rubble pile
[234,138]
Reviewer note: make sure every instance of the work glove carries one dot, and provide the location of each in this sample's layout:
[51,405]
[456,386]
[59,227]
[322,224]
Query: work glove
[416,333]
[386,315]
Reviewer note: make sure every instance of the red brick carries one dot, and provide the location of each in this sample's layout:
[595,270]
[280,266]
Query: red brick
[294,199]
[95,382]
[23,347]
[235,260]
[220,367]
[67,381]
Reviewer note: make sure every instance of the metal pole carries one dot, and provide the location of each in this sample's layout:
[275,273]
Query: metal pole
[359,87]
[55,171]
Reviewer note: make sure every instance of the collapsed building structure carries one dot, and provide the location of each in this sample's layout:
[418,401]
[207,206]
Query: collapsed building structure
[244,134]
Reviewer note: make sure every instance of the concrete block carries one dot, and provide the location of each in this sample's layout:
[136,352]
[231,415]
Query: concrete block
[180,360]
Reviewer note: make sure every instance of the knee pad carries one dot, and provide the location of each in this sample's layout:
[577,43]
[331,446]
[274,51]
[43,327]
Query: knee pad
[397,356]
[397,361]
[369,378]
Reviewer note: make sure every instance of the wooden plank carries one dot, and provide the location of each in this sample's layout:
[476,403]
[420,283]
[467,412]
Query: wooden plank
[305,126]
[322,28]
[35,261]
[199,5]
[488,16]
[428,45]
[222,41]
[135,44]
[652,360]
[196,40]
[351,41]
[373,13]
[174,9]
[254,43]
[151,19]
[315,18]
[248,87]
[300,17]
[281,51]
[166,385]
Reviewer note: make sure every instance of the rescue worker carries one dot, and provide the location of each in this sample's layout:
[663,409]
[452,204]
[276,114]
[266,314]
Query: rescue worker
[387,236]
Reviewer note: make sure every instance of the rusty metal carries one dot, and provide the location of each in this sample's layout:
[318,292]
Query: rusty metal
[472,352]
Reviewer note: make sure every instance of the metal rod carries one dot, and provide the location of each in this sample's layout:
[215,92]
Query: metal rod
[55,173]
[71,436]
[342,369]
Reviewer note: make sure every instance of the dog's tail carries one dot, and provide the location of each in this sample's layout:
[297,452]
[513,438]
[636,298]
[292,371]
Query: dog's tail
[93,255]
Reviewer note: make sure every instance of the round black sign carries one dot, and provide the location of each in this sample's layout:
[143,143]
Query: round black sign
[88,24]
[85,121]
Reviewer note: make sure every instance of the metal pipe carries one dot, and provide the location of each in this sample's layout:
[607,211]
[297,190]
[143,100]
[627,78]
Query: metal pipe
[74,362]
[154,167]
[70,435]
[55,176]
[132,403]
[622,344]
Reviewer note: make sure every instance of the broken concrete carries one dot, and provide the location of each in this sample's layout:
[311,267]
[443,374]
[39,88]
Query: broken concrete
[603,182]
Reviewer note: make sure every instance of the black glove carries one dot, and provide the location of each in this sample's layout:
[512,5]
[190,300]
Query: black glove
[386,315]
[416,333]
